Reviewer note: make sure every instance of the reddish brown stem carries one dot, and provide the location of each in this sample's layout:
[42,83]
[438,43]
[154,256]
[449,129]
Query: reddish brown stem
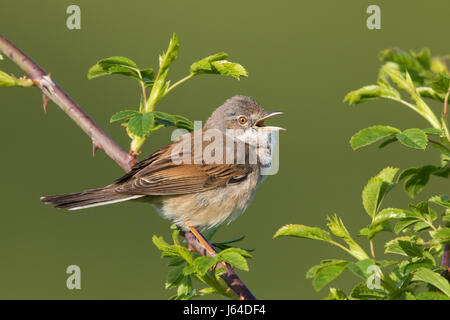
[99,138]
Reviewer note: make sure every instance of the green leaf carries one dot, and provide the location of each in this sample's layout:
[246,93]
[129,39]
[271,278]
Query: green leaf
[230,69]
[434,131]
[442,235]
[387,142]
[234,258]
[403,246]
[6,80]
[185,290]
[404,58]
[427,92]
[441,83]
[384,216]
[174,277]
[203,264]
[370,135]
[416,178]
[117,61]
[327,271]
[361,268]
[114,65]
[217,64]
[433,278]
[375,190]
[160,243]
[141,124]
[337,227]
[173,120]
[361,291]
[430,295]
[124,114]
[336,294]
[147,75]
[403,224]
[204,65]
[442,200]
[413,138]
[406,267]
[301,231]
[371,92]
[167,58]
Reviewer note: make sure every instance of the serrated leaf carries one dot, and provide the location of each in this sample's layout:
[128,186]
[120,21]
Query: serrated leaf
[442,200]
[141,124]
[433,278]
[361,268]
[403,246]
[217,64]
[114,65]
[302,231]
[434,131]
[403,224]
[204,65]
[337,227]
[174,276]
[361,291]
[413,138]
[203,264]
[124,114]
[230,69]
[416,178]
[336,294]
[370,135]
[384,216]
[375,190]
[326,272]
[371,92]
[427,92]
[168,57]
[430,295]
[173,120]
[403,58]
[441,83]
[234,259]
[408,266]
[442,235]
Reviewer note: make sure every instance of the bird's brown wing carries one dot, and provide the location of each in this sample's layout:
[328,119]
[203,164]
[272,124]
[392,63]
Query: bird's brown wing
[159,175]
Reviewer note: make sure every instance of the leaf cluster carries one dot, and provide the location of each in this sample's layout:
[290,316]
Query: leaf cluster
[419,231]
[142,120]
[188,267]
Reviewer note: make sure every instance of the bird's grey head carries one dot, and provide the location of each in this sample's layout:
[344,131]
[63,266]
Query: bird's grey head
[240,113]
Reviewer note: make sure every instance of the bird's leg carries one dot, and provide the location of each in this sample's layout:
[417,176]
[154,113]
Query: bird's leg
[205,243]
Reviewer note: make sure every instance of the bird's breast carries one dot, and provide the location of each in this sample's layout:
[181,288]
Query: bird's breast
[212,207]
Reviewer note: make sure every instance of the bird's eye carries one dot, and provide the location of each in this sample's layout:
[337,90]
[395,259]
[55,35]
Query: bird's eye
[242,120]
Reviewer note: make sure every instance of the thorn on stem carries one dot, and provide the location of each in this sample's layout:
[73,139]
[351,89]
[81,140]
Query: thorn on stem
[95,147]
[45,101]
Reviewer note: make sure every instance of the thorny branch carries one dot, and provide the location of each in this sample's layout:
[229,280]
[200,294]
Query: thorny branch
[51,91]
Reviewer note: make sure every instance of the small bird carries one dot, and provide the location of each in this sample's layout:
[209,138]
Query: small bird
[196,189]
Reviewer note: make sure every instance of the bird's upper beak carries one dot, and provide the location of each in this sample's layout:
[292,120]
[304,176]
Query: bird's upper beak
[260,122]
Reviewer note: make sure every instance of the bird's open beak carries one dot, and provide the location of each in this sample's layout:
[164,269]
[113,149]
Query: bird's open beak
[260,122]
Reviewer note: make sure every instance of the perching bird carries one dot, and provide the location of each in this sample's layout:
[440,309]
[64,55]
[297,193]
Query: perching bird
[195,184]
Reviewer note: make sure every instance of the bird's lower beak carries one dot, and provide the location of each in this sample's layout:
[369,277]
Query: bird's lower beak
[260,123]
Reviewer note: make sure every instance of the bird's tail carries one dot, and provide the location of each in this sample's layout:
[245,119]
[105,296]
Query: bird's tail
[87,199]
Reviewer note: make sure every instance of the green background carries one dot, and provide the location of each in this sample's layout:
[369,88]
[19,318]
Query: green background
[302,58]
